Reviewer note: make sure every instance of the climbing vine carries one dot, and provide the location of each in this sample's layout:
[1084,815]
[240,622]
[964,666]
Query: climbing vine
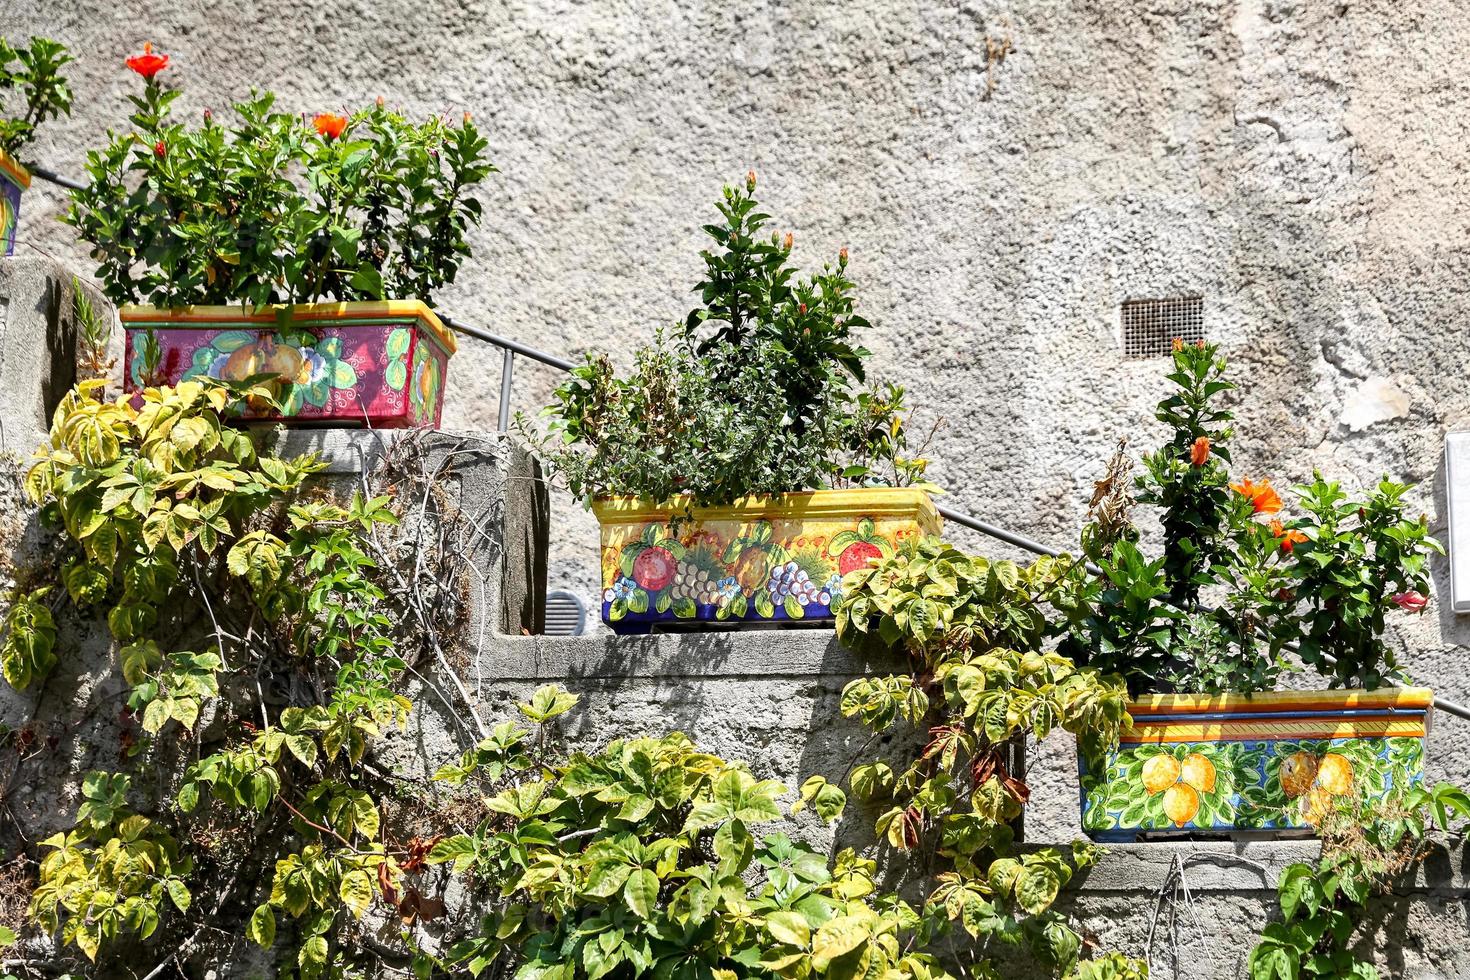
[980,683]
[649,857]
[218,573]
[1366,847]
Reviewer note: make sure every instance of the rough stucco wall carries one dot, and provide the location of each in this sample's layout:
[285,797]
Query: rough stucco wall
[1300,164]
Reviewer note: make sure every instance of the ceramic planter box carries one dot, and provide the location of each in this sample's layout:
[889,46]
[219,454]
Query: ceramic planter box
[760,561]
[1265,765]
[381,364]
[13,180]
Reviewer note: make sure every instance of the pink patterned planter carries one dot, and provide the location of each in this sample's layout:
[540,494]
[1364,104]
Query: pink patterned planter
[13,180]
[379,364]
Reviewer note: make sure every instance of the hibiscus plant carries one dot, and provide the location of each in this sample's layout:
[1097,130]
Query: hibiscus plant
[761,389]
[35,70]
[1240,585]
[277,208]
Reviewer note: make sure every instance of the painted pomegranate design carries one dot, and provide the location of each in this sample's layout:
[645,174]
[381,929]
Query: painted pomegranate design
[857,555]
[654,568]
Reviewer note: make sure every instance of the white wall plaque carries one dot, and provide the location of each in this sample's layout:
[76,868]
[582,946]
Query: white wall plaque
[1457,491]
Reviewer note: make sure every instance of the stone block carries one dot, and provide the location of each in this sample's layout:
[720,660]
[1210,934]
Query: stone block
[38,346]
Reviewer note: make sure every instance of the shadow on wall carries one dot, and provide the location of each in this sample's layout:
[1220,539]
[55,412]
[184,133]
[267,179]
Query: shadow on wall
[1454,629]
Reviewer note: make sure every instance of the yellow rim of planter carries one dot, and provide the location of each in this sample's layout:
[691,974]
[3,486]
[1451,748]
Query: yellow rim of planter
[806,505]
[1281,729]
[13,167]
[1384,699]
[184,317]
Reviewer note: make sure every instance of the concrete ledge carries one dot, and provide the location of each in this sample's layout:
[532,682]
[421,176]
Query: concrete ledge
[1254,866]
[746,653]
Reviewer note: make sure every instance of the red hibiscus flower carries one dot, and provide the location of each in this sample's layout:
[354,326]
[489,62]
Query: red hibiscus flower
[1410,601]
[148,64]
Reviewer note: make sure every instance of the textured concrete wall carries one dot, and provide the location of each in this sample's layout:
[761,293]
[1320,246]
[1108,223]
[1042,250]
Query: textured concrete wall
[1299,163]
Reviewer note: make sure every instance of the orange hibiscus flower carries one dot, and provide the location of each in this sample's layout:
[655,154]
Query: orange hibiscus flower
[1263,496]
[1199,453]
[329,126]
[1289,539]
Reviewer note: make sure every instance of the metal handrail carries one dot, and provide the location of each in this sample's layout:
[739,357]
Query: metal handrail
[512,347]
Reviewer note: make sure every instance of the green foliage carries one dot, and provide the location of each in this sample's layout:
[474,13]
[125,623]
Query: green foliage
[167,509]
[1365,848]
[272,210]
[93,331]
[1359,557]
[1325,580]
[1193,496]
[642,859]
[981,682]
[27,652]
[114,873]
[767,401]
[36,72]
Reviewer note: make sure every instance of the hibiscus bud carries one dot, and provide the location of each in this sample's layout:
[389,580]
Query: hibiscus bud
[803,309]
[467,118]
[1178,345]
[786,244]
[750,182]
[380,102]
[159,150]
[842,256]
[1410,601]
[208,116]
[1199,345]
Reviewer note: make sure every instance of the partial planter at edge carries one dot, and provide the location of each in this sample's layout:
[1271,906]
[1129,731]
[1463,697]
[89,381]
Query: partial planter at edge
[14,179]
[382,364]
[763,560]
[1264,765]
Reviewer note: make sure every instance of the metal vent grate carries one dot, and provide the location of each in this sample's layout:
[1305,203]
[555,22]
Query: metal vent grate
[565,614]
[1150,326]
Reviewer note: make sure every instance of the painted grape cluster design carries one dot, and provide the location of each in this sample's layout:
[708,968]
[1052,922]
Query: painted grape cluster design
[748,572]
[1244,785]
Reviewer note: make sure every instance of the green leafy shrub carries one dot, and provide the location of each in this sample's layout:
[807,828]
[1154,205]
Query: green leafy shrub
[36,71]
[169,513]
[759,391]
[1324,580]
[980,683]
[643,859]
[275,209]
[1365,849]
[1361,558]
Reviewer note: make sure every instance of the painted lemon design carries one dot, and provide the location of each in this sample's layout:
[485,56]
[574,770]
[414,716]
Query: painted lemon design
[1335,774]
[1298,773]
[265,356]
[1198,772]
[1181,803]
[1160,773]
[1315,805]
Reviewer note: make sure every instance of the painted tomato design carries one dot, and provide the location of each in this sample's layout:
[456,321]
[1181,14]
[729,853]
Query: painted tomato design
[857,555]
[654,568]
